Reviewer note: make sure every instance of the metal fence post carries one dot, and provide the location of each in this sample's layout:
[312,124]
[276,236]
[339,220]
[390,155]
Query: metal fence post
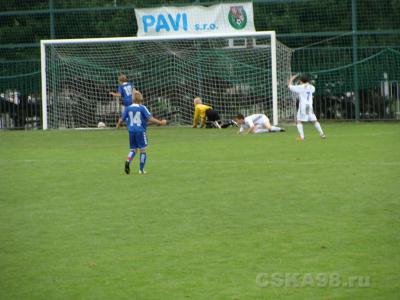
[355,59]
[52,22]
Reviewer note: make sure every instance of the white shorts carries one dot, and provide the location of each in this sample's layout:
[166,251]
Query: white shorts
[310,117]
[261,122]
[264,120]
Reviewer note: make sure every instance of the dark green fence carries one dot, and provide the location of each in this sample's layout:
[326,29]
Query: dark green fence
[351,48]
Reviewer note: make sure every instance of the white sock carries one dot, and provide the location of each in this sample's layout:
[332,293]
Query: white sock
[300,130]
[275,128]
[261,130]
[318,127]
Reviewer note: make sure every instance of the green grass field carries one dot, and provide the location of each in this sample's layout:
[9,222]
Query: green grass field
[218,216]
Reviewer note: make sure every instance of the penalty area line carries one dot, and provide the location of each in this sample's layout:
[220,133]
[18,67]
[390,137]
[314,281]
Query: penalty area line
[206,162]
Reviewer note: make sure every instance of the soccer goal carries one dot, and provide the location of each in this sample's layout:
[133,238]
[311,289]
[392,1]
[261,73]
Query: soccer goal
[235,73]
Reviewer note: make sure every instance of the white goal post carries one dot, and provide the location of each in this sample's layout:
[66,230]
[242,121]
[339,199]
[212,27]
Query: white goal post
[235,73]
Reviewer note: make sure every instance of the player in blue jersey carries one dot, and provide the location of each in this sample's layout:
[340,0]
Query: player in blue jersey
[125,91]
[136,117]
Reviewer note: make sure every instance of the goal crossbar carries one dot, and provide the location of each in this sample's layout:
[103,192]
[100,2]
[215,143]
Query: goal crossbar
[159,38]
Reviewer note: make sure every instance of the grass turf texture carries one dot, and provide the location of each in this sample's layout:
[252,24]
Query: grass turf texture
[214,211]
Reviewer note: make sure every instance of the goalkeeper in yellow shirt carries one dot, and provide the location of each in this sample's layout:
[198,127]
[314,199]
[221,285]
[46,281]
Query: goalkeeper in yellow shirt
[208,116]
[204,113]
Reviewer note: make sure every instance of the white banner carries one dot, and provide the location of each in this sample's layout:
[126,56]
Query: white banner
[171,20]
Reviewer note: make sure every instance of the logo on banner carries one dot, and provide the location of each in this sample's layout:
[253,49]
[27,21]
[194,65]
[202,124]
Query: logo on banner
[237,17]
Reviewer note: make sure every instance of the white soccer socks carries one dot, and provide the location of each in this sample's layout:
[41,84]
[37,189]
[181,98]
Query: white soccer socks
[261,130]
[300,130]
[275,129]
[319,129]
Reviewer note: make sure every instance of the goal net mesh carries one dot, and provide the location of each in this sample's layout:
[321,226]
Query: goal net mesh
[232,75]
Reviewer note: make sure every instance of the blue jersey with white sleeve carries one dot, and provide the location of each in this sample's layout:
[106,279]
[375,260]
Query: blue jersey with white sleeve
[135,117]
[126,90]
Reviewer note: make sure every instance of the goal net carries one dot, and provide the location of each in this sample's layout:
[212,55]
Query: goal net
[234,74]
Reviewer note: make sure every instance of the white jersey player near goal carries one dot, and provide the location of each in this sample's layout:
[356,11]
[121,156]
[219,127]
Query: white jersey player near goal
[257,123]
[305,113]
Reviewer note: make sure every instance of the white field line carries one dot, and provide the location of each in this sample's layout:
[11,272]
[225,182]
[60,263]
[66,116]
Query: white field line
[222,162]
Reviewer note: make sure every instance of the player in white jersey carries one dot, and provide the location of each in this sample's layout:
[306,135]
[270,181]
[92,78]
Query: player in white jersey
[305,113]
[257,123]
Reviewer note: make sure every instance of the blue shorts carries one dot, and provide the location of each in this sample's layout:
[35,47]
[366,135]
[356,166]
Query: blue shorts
[137,140]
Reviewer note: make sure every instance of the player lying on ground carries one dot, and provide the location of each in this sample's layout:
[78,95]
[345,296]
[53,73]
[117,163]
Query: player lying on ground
[136,117]
[305,113]
[208,116]
[125,90]
[257,123]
